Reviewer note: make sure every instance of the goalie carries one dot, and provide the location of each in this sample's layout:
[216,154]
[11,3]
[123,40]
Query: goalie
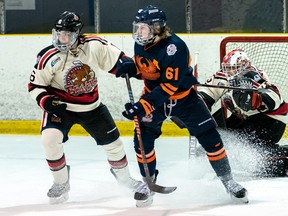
[262,112]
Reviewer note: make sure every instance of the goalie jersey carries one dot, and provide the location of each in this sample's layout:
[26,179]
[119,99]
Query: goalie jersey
[271,103]
[72,76]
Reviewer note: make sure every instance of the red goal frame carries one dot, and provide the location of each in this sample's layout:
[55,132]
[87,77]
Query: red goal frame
[244,38]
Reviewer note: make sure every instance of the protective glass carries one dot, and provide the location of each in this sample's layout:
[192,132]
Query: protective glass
[63,40]
[142,33]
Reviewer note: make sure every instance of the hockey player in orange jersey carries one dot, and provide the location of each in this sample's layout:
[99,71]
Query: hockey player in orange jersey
[162,60]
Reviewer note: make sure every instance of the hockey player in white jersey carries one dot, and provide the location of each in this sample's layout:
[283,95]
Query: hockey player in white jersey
[64,84]
[259,116]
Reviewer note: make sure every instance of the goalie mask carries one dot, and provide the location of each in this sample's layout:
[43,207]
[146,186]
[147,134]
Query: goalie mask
[149,22]
[66,31]
[234,63]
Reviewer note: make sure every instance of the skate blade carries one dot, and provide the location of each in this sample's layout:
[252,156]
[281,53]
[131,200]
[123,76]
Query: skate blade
[57,200]
[144,203]
[242,200]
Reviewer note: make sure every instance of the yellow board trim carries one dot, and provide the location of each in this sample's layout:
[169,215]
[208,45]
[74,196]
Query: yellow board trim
[32,127]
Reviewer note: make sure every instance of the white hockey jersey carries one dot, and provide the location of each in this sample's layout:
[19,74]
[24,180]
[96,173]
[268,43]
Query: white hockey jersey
[272,102]
[72,77]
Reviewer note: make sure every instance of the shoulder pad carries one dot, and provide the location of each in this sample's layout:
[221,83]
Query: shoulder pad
[46,49]
[44,55]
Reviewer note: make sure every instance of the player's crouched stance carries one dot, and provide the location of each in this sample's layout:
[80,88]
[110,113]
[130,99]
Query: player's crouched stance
[64,84]
[162,59]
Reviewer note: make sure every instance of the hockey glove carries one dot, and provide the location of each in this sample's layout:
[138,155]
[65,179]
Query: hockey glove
[247,100]
[141,108]
[126,66]
[51,104]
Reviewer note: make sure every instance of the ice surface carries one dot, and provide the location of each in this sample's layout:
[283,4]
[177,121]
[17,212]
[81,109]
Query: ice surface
[25,180]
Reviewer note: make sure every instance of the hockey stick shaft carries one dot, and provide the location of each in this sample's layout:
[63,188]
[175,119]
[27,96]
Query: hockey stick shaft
[227,87]
[153,187]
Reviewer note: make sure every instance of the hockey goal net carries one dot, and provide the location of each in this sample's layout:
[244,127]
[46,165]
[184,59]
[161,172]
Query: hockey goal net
[269,53]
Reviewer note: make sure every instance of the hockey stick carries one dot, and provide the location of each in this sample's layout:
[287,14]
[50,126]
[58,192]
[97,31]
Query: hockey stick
[226,87]
[152,186]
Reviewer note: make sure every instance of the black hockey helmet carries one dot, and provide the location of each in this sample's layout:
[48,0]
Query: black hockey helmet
[150,15]
[67,25]
[68,21]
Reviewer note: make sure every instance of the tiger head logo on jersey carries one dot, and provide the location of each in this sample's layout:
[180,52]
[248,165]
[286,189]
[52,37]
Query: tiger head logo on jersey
[80,79]
[149,69]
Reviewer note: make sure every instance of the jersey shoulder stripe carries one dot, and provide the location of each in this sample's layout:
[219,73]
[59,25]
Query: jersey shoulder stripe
[89,38]
[44,55]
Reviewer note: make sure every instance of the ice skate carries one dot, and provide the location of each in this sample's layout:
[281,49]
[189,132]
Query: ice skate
[143,195]
[58,193]
[123,177]
[236,191]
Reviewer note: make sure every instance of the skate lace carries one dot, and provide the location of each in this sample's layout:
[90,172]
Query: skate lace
[58,189]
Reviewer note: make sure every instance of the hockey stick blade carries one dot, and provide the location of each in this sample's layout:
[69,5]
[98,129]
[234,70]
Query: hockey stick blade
[160,189]
[152,186]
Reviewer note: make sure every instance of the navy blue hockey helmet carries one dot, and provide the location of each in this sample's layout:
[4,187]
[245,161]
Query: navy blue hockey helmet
[150,15]
[148,23]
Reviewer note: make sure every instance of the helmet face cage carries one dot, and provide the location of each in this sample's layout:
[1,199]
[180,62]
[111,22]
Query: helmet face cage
[64,40]
[143,33]
[66,30]
[148,23]
[234,63]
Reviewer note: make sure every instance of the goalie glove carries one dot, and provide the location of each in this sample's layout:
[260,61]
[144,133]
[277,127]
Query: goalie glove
[247,100]
[141,108]
[51,104]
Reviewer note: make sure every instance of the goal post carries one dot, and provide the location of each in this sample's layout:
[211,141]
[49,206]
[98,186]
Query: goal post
[268,53]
